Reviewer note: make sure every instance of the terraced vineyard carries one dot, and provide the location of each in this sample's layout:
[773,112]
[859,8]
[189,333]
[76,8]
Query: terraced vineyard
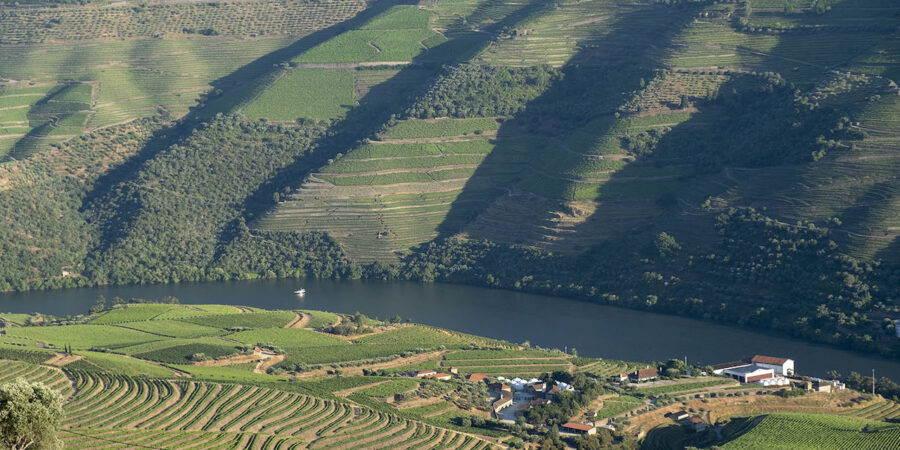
[816,431]
[507,363]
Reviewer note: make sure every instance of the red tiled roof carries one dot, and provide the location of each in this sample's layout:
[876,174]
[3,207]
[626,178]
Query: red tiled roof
[696,419]
[646,373]
[477,377]
[769,360]
[577,426]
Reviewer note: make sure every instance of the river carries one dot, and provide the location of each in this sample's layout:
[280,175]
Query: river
[594,330]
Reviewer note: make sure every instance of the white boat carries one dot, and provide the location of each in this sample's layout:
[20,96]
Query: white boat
[300,292]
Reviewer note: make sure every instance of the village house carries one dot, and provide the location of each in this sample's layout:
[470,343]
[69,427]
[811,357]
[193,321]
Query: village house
[536,388]
[577,428]
[500,387]
[476,377]
[695,424]
[439,376]
[454,370]
[505,401]
[645,374]
[781,366]
[553,392]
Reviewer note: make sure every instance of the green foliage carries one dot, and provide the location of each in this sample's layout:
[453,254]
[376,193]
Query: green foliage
[408,129]
[482,91]
[29,415]
[181,354]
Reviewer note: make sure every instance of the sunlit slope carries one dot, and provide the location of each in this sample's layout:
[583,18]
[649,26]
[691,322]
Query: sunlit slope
[564,173]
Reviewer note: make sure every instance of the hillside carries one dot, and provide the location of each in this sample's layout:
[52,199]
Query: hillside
[732,161]
[166,375]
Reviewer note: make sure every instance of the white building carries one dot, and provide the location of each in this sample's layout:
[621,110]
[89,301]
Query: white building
[750,373]
[777,381]
[781,366]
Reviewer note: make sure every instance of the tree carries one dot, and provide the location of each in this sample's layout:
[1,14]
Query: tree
[99,306]
[666,245]
[29,415]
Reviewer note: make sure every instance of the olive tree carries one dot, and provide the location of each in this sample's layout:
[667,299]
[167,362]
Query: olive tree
[29,415]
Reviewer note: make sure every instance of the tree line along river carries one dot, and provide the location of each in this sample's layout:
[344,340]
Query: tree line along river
[594,330]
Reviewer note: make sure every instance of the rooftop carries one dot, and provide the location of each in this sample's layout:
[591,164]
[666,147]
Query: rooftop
[577,426]
[769,359]
[748,369]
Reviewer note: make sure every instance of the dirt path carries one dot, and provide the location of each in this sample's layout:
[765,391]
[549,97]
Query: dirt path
[354,337]
[347,392]
[238,359]
[270,361]
[61,359]
[301,320]
[358,370]
[461,138]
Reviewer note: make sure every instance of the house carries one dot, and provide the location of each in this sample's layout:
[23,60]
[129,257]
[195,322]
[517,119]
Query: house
[577,428]
[476,377]
[749,374]
[645,374]
[536,388]
[425,373]
[822,386]
[553,392]
[621,377]
[696,424]
[679,415]
[440,376]
[454,370]
[782,366]
[505,401]
[500,387]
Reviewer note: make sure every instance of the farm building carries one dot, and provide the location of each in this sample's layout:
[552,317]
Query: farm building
[536,388]
[577,428]
[505,401]
[750,373]
[552,392]
[679,415]
[718,369]
[425,373]
[439,376]
[782,366]
[695,424]
[645,374]
[500,387]
[476,377]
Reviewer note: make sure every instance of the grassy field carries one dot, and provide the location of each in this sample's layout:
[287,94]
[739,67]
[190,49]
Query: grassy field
[397,35]
[317,94]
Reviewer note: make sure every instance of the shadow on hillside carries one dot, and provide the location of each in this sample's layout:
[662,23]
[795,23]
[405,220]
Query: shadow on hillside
[748,127]
[234,89]
[593,85]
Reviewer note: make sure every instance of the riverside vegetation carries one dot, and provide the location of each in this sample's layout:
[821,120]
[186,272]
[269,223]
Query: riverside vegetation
[164,375]
[734,161]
